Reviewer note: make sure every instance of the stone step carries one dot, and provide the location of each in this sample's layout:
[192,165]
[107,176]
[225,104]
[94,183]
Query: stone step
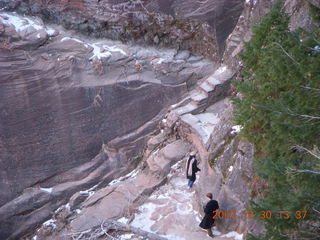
[207,87]
[235,38]
[181,103]
[203,124]
[233,44]
[196,125]
[198,96]
[212,80]
[191,106]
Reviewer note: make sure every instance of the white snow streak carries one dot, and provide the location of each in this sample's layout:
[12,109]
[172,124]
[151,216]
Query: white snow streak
[48,190]
[21,23]
[236,129]
[50,223]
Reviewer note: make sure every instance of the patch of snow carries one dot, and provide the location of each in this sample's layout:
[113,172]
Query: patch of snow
[176,166]
[38,35]
[50,223]
[67,206]
[89,192]
[161,60]
[316,48]
[20,23]
[35,237]
[74,39]
[173,105]
[216,232]
[48,190]
[130,175]
[221,69]
[78,211]
[123,220]
[114,49]
[234,235]
[143,220]
[126,236]
[50,31]
[156,151]
[99,52]
[236,129]
[230,168]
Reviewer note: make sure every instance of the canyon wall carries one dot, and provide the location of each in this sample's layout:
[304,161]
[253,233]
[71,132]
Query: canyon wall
[173,23]
[77,111]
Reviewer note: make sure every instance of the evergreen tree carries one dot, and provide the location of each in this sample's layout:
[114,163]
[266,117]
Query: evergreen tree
[280,113]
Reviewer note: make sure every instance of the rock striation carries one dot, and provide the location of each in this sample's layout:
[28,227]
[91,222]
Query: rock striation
[76,112]
[176,23]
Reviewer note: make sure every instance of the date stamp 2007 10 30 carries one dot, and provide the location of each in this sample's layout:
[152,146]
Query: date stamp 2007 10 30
[219,214]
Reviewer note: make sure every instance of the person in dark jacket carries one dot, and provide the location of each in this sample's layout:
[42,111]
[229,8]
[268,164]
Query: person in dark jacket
[192,169]
[208,221]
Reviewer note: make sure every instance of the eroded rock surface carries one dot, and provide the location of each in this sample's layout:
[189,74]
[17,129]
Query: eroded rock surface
[75,112]
[175,23]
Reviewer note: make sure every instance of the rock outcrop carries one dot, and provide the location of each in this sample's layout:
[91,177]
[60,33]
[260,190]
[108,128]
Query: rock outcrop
[77,112]
[71,113]
[175,23]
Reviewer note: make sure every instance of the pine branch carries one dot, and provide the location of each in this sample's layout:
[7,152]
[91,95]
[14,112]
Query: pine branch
[275,43]
[310,88]
[307,150]
[304,171]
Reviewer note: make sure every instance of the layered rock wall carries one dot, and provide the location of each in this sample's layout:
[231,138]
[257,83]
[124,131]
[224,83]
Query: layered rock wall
[200,26]
[76,112]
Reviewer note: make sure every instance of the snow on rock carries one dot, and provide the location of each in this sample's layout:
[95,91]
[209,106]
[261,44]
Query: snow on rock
[47,190]
[22,23]
[89,192]
[132,175]
[236,129]
[123,220]
[99,50]
[230,168]
[67,206]
[234,235]
[104,51]
[50,223]
[51,31]
[126,236]
[221,69]
[169,210]
[73,39]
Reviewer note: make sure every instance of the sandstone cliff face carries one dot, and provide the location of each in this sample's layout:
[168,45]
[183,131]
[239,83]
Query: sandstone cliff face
[76,112]
[175,23]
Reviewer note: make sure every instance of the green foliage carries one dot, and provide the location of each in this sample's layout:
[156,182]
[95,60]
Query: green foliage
[315,13]
[280,110]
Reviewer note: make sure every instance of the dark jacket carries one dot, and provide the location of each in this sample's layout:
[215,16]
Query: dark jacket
[208,220]
[193,169]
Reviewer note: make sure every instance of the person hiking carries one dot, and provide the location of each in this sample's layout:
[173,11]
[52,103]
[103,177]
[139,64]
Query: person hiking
[192,169]
[208,219]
